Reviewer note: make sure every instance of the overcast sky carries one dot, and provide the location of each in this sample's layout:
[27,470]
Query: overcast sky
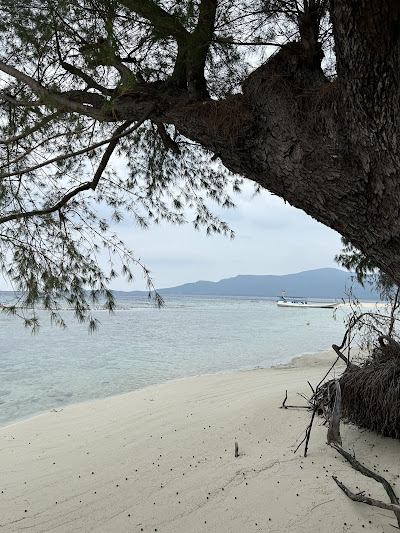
[271,238]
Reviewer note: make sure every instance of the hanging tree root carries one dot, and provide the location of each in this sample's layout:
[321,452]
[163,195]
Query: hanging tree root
[334,426]
[370,392]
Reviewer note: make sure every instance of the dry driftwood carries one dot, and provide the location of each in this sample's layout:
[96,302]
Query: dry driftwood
[365,499]
[284,406]
[334,439]
[333,436]
[393,506]
[340,354]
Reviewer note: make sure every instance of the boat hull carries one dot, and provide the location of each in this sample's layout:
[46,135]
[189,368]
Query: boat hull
[319,305]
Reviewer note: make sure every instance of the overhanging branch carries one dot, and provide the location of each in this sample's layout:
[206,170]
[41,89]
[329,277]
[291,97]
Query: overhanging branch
[72,69]
[70,155]
[58,100]
[120,132]
[36,127]
[19,103]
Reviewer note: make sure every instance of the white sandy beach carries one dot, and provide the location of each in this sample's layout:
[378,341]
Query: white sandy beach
[162,459]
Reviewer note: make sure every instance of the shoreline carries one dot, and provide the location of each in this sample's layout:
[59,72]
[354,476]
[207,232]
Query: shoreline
[295,361]
[162,459]
[40,374]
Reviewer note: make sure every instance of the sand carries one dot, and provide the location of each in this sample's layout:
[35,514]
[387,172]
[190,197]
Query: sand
[162,459]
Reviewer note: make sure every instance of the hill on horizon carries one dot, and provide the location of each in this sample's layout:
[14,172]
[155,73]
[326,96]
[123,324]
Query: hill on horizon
[328,283]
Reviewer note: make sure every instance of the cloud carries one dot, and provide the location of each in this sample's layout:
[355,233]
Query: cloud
[271,238]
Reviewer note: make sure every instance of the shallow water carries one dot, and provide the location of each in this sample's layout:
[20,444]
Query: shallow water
[140,346]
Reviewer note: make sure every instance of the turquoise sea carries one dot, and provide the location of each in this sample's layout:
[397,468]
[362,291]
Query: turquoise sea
[140,345]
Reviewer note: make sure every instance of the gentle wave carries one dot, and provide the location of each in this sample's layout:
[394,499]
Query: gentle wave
[140,345]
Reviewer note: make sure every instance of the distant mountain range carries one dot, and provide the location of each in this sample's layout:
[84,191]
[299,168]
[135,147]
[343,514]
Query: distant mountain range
[328,283]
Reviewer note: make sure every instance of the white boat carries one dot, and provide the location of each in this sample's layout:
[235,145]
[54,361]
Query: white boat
[298,301]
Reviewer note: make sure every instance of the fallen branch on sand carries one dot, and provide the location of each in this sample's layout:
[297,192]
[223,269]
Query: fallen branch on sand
[369,394]
[360,497]
[334,439]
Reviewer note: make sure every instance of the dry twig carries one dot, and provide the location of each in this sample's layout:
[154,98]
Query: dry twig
[393,506]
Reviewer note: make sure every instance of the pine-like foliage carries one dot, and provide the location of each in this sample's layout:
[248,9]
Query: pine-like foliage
[72,148]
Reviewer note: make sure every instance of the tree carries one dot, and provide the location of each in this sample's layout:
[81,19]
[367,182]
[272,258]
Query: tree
[368,389]
[366,270]
[177,88]
[370,324]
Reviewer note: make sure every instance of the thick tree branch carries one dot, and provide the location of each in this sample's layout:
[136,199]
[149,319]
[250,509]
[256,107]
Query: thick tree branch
[199,44]
[51,98]
[72,69]
[192,47]
[206,22]
[230,41]
[108,58]
[162,21]
[95,100]
[308,20]
[169,143]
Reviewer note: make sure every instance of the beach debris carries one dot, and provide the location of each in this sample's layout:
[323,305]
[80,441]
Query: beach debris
[284,406]
[55,410]
[236,449]
[284,401]
[366,394]
[360,496]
